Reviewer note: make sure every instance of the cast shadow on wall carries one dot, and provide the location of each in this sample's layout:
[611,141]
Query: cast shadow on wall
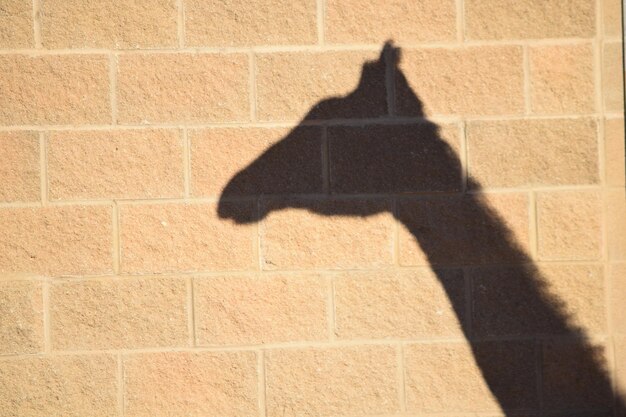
[514,317]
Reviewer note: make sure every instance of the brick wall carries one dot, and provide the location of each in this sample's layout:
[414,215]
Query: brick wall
[447,236]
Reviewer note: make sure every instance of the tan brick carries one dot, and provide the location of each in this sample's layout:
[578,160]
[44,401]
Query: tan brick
[256,22]
[329,234]
[614,152]
[331,382]
[616,224]
[618,307]
[62,89]
[67,385]
[562,79]
[575,376]
[447,377]
[394,159]
[16,24]
[115,164]
[269,309]
[512,19]
[519,153]
[190,384]
[461,81]
[21,317]
[475,229]
[569,225]
[550,300]
[613,77]
[290,86]
[185,237]
[416,303]
[72,240]
[612,18]
[182,88]
[217,155]
[108,24]
[362,21]
[19,171]
[118,313]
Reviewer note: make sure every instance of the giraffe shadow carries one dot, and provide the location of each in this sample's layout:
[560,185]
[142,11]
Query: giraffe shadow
[533,356]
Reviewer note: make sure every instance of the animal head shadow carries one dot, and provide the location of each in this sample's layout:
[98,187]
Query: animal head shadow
[377,156]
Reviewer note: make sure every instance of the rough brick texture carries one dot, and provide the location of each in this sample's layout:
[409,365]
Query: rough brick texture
[326,382]
[463,80]
[257,22]
[115,164]
[119,313]
[573,217]
[71,240]
[21,317]
[407,304]
[359,21]
[171,237]
[433,383]
[184,383]
[530,19]
[324,208]
[248,310]
[16,24]
[107,24]
[296,239]
[562,79]
[529,152]
[289,86]
[67,385]
[19,172]
[182,88]
[54,89]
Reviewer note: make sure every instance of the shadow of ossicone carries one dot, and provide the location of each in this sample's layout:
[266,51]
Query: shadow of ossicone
[532,355]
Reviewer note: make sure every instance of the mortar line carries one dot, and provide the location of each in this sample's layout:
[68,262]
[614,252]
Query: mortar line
[527,80]
[539,375]
[460,21]
[388,120]
[252,86]
[598,68]
[116,247]
[464,157]
[469,303]
[261,384]
[186,163]
[596,338]
[43,168]
[191,314]
[325,161]
[113,86]
[120,385]
[390,79]
[424,195]
[257,249]
[45,289]
[331,314]
[395,245]
[320,10]
[180,23]
[37,24]
[400,376]
[613,371]
[326,47]
[294,272]
[533,233]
